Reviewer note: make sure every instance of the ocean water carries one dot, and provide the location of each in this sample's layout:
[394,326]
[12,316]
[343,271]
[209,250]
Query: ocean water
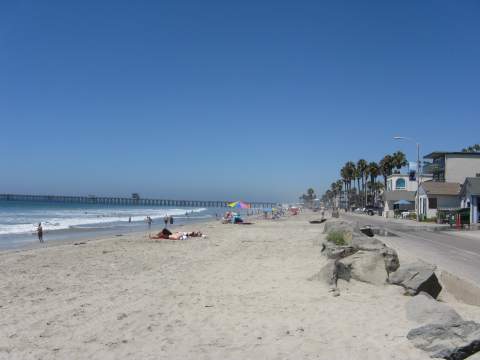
[19,219]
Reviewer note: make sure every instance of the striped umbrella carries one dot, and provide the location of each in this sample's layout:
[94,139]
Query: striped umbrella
[239,205]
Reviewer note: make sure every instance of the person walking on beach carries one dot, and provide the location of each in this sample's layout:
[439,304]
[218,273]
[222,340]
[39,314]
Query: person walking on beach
[149,222]
[129,219]
[171,220]
[165,220]
[40,232]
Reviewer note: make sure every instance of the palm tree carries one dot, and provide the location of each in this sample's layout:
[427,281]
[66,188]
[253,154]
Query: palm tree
[399,160]
[373,170]
[386,167]
[345,178]
[473,148]
[350,176]
[311,193]
[362,168]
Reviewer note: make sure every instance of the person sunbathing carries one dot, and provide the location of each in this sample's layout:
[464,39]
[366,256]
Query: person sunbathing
[166,234]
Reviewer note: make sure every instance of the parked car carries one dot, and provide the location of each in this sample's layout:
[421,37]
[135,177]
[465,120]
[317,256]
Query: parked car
[372,210]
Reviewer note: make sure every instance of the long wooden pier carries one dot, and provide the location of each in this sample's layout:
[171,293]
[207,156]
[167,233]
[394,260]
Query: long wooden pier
[107,200]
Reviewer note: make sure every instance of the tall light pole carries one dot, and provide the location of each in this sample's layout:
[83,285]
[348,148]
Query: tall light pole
[418,170]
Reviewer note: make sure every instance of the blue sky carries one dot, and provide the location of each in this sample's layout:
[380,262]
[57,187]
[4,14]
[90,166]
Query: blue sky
[255,100]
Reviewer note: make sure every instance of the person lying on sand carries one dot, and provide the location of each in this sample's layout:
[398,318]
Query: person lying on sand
[166,234]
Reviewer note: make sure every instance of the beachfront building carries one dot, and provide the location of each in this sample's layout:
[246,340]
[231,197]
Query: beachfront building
[437,195]
[470,198]
[399,195]
[453,167]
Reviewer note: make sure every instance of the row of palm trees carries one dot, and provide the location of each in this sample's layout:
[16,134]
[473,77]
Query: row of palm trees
[358,181]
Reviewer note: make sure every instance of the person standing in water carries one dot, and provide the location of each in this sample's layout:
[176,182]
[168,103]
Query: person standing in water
[40,232]
[165,220]
[171,220]
[129,219]
[149,222]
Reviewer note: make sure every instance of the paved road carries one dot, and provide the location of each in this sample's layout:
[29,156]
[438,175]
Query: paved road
[457,254]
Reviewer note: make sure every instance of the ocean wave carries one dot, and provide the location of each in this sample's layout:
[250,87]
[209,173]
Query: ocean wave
[26,221]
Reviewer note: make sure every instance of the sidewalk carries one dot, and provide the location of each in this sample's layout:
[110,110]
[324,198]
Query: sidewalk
[401,223]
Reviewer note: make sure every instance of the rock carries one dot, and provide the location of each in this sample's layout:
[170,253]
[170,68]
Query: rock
[366,266]
[417,277]
[327,274]
[367,231]
[338,225]
[390,257]
[452,341]
[424,309]
[362,242]
[333,251]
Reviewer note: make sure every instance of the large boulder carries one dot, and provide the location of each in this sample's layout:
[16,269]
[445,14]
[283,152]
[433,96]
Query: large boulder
[417,277]
[339,225]
[366,266]
[390,257]
[452,341]
[423,309]
[362,242]
[327,274]
[333,251]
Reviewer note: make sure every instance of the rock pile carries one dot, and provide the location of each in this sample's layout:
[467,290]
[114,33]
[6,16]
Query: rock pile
[443,333]
[360,258]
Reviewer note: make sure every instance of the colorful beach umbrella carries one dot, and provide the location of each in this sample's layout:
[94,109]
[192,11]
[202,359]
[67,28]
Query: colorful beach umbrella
[239,205]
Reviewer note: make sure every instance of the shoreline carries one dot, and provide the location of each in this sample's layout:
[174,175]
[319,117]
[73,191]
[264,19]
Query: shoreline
[70,237]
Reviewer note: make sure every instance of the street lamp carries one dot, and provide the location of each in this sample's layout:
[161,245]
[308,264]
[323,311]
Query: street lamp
[418,170]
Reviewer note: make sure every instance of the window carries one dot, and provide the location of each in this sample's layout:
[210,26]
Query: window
[400,184]
[432,203]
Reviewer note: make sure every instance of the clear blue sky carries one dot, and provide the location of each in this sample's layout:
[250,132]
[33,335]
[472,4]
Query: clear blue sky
[217,99]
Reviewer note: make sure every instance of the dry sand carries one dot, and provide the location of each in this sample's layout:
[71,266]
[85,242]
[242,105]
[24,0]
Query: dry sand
[242,293]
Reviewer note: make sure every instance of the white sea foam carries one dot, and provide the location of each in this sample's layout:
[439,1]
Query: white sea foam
[26,220]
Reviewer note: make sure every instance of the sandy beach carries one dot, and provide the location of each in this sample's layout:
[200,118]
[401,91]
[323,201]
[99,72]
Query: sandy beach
[241,293]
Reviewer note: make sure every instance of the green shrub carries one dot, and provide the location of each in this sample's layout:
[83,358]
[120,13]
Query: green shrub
[337,237]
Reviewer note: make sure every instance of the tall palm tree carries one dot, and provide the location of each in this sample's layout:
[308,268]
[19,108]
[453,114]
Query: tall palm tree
[399,160]
[362,168]
[345,178]
[386,167]
[350,175]
[373,170]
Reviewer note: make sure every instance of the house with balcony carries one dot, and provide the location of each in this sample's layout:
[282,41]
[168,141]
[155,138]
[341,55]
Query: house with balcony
[453,167]
[449,171]
[399,196]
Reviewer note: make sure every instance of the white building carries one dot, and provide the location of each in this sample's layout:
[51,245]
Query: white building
[400,193]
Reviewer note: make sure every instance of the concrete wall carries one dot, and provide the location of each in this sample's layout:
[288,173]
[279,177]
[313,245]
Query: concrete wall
[459,167]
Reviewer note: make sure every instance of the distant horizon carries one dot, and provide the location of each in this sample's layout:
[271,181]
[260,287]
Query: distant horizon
[250,100]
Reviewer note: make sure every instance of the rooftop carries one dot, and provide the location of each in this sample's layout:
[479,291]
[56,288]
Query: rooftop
[473,185]
[437,154]
[441,188]
[397,195]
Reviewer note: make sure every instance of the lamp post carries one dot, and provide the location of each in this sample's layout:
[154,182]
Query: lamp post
[418,170]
